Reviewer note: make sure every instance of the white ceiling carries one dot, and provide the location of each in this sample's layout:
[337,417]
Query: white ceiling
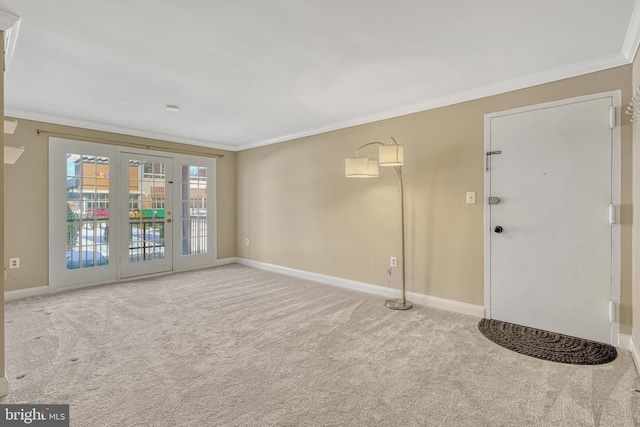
[252,72]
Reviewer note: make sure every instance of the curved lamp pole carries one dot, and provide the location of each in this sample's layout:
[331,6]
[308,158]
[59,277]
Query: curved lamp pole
[368,167]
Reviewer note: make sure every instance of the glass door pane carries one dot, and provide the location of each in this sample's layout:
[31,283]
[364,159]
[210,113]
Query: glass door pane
[193,210]
[87,211]
[147,181]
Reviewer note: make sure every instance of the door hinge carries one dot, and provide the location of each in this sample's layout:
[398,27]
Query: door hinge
[612,214]
[612,117]
[612,311]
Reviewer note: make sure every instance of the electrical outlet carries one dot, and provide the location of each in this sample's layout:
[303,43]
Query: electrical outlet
[14,262]
[246,241]
[393,261]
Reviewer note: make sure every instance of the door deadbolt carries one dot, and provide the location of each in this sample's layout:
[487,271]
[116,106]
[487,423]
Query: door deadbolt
[498,229]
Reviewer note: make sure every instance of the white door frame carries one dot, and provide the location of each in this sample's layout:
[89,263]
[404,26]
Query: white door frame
[58,279]
[616,194]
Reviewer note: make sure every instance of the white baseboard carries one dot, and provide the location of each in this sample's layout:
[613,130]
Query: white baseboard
[226,261]
[624,342]
[416,298]
[446,304]
[635,354]
[4,386]
[25,293]
[45,290]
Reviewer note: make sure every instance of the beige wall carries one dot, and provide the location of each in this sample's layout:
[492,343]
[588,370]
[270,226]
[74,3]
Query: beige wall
[636,215]
[298,210]
[26,207]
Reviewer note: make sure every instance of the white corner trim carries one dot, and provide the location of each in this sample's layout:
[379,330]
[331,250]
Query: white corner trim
[10,38]
[26,293]
[87,124]
[226,261]
[530,80]
[7,20]
[416,298]
[10,24]
[632,39]
[4,386]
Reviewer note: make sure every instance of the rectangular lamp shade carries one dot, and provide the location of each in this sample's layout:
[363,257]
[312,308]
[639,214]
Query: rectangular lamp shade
[361,167]
[391,155]
[373,169]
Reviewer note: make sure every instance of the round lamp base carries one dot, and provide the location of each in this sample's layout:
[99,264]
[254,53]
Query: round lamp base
[397,304]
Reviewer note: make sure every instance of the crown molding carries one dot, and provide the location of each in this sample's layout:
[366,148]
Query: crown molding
[103,127]
[10,25]
[535,79]
[531,80]
[632,39]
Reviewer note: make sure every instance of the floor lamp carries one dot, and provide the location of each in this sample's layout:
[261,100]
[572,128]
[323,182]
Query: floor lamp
[368,167]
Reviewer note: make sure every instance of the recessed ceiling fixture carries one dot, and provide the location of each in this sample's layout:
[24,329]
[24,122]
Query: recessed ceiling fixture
[172,108]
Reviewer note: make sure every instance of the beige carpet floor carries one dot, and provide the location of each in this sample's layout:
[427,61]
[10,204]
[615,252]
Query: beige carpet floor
[236,346]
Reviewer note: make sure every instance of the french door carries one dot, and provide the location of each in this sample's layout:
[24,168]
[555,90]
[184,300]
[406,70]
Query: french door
[146,242]
[117,213]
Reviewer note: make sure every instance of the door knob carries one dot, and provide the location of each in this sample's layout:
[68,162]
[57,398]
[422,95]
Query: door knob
[169,220]
[498,229]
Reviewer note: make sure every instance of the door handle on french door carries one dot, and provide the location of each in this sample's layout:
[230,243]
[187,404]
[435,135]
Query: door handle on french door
[498,229]
[169,220]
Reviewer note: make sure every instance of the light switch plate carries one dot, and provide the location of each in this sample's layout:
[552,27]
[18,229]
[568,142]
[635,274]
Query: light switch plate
[471,197]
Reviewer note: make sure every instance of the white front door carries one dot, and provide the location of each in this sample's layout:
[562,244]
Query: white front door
[147,209]
[551,250]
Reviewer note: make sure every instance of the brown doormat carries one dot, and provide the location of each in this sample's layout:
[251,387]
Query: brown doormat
[547,345]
